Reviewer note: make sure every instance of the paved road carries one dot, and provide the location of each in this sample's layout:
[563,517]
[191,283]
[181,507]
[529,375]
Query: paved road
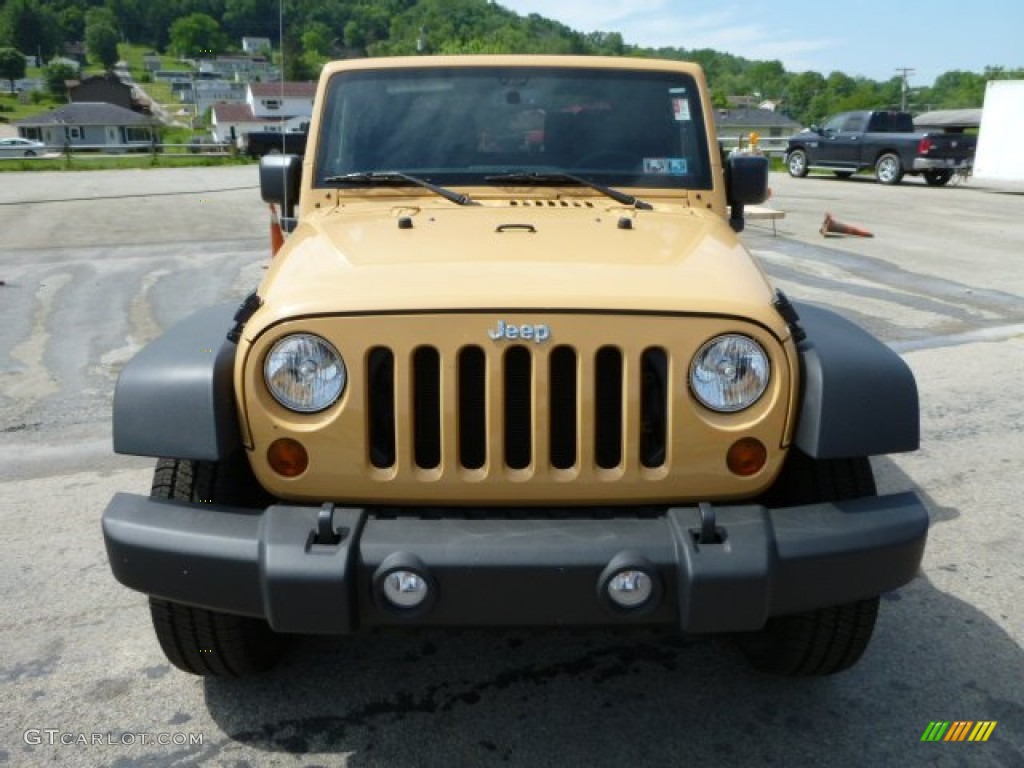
[96,264]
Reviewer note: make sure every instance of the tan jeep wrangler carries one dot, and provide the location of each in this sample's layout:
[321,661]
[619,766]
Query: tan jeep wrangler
[513,367]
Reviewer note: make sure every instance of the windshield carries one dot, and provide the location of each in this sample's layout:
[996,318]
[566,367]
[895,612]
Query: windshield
[463,125]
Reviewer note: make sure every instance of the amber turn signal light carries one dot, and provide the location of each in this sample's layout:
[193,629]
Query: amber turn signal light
[746,457]
[287,457]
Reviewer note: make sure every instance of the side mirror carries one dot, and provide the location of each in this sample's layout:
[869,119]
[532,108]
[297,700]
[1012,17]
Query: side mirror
[746,183]
[816,129]
[281,181]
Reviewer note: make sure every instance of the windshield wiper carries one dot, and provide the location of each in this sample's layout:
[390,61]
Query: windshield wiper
[398,177]
[557,177]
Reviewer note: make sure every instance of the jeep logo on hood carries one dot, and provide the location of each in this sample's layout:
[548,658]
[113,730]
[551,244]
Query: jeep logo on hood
[537,333]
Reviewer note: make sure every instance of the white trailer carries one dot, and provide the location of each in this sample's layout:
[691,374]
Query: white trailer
[999,160]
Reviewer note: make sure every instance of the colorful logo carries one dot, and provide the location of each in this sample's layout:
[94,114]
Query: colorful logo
[958,730]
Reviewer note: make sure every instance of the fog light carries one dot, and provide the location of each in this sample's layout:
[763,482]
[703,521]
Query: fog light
[287,457]
[746,457]
[630,588]
[405,589]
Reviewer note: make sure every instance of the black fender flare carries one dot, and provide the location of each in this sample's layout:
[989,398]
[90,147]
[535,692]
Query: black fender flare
[859,398]
[176,397]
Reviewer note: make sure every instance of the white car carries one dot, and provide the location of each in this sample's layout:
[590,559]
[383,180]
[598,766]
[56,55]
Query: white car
[17,147]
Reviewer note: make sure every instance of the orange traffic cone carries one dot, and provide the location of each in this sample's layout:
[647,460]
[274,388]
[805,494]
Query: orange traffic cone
[276,235]
[831,226]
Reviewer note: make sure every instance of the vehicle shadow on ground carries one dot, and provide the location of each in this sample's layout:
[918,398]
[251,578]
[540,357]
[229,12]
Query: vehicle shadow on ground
[600,698]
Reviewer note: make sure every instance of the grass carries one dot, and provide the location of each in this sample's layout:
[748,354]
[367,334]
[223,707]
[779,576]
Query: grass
[12,110]
[135,55]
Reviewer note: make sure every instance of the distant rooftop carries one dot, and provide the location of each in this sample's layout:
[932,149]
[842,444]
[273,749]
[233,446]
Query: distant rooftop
[288,90]
[87,113]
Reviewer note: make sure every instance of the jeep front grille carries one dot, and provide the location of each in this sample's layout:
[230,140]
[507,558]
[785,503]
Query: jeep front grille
[532,396]
[438,411]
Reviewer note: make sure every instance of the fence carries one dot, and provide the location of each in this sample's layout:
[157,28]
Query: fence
[770,146]
[224,149]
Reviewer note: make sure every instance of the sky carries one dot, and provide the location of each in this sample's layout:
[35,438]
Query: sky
[870,38]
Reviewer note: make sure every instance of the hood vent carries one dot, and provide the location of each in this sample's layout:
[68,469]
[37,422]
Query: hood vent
[551,203]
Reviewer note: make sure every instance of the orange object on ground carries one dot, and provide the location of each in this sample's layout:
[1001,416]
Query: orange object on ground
[833,227]
[276,235]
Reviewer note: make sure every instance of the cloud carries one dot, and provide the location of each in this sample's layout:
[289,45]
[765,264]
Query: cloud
[662,23]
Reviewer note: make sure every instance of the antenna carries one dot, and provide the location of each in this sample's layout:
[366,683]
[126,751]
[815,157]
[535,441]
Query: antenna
[284,139]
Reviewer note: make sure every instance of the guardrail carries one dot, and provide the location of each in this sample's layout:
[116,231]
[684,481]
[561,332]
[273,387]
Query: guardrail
[771,146]
[223,149]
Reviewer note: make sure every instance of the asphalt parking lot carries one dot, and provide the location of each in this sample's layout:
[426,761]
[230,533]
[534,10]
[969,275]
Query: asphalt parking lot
[95,264]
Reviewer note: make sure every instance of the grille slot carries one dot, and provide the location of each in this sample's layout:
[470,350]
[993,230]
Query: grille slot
[518,408]
[563,407]
[608,408]
[472,408]
[380,406]
[427,407]
[653,407]
[536,397]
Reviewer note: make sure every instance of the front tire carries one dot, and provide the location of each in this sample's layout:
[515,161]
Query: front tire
[827,640]
[796,164]
[889,169]
[197,640]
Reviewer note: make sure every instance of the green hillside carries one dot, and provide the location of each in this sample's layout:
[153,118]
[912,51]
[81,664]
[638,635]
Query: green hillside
[317,32]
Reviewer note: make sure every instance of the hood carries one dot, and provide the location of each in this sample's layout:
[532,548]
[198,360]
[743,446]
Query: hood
[529,255]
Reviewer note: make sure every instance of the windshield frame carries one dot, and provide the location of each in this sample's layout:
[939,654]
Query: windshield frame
[673,101]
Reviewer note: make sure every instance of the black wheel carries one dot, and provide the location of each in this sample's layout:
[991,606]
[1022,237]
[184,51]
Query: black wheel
[30,153]
[889,169]
[843,174]
[827,640]
[937,178]
[796,163]
[197,640]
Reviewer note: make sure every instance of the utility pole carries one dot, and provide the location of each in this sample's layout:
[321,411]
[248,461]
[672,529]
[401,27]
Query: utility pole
[904,72]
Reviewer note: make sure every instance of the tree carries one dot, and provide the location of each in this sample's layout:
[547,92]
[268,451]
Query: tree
[56,74]
[256,18]
[72,23]
[12,65]
[317,42]
[197,35]
[101,43]
[800,92]
[30,26]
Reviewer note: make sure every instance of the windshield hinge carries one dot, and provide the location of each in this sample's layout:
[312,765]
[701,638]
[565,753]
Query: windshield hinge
[788,313]
[245,311]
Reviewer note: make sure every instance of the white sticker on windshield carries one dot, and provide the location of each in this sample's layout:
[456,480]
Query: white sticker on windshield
[681,109]
[665,166]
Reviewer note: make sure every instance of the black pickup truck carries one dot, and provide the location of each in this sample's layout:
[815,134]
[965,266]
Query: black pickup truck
[881,140]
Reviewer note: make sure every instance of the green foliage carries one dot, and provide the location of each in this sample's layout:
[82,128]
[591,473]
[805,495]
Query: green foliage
[72,23]
[197,35]
[56,74]
[30,26]
[101,43]
[12,65]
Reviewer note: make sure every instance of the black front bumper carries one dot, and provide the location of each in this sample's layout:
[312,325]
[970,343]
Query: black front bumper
[509,572]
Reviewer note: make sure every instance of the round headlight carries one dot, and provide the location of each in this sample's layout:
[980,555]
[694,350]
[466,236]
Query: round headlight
[304,373]
[729,373]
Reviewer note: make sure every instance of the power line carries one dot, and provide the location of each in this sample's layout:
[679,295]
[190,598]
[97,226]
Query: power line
[904,72]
